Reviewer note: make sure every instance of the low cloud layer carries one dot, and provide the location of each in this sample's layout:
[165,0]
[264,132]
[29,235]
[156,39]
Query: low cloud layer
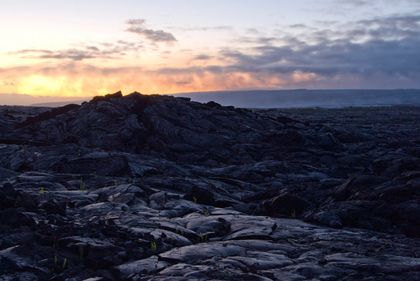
[379,52]
[138,26]
[329,58]
[382,52]
[115,50]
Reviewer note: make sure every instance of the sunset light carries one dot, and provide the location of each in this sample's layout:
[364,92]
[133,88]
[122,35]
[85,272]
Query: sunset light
[81,49]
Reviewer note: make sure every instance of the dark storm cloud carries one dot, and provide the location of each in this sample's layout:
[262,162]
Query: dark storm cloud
[107,51]
[396,27]
[331,61]
[332,58]
[137,26]
[344,7]
[378,52]
[389,45]
[401,26]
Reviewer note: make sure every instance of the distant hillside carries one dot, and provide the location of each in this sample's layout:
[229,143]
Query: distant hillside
[260,98]
[18,99]
[308,98]
[58,103]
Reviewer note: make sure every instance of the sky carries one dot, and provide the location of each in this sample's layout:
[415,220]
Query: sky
[82,48]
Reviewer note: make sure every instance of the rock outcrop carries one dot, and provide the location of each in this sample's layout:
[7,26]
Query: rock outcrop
[160,188]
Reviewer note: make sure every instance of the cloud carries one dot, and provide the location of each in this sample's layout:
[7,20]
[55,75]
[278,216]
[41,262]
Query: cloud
[183,82]
[202,57]
[207,28]
[8,83]
[137,26]
[355,8]
[72,54]
[387,28]
[136,21]
[379,52]
[330,58]
[107,51]
[254,31]
[356,3]
[371,3]
[258,40]
[393,27]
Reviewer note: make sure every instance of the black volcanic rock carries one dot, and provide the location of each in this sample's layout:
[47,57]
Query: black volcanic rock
[160,188]
[287,205]
[48,115]
[165,126]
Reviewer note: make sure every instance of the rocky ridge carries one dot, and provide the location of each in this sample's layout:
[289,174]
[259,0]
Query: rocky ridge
[162,188]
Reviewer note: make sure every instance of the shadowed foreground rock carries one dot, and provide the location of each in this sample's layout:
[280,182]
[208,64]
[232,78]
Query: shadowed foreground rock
[162,188]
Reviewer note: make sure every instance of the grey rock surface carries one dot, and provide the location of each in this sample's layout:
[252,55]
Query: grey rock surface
[162,188]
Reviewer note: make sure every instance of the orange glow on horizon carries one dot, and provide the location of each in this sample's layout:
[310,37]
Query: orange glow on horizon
[81,80]
[147,83]
[300,76]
